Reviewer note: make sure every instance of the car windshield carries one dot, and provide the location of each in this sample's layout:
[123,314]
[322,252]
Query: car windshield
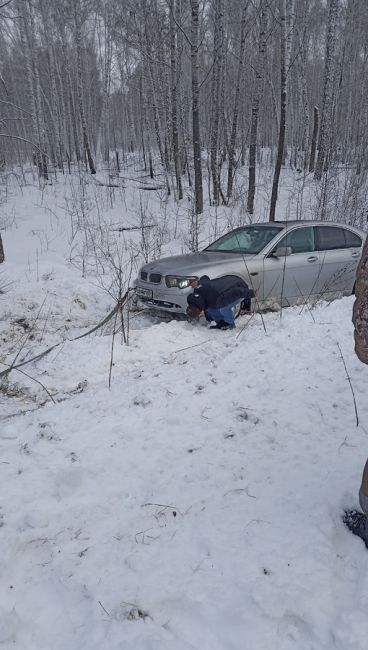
[247,240]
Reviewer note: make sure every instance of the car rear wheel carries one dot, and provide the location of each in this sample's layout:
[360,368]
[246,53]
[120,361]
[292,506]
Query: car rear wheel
[241,308]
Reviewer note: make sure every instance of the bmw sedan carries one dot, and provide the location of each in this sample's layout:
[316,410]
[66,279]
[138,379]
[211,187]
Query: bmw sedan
[285,263]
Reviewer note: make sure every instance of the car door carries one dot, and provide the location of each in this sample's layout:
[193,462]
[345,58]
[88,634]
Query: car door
[340,250]
[292,278]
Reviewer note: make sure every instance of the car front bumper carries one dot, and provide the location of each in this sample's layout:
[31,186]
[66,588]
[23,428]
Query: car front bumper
[158,296]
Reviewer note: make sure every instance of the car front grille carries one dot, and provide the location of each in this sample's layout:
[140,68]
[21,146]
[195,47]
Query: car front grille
[155,278]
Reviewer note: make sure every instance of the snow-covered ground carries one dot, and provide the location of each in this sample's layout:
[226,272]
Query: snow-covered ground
[194,505]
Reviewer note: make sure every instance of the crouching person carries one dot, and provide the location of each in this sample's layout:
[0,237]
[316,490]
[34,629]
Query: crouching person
[356,521]
[216,299]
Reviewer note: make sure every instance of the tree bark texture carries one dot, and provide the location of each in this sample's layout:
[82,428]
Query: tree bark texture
[312,160]
[283,99]
[360,309]
[174,101]
[80,90]
[259,76]
[198,187]
[218,46]
[234,126]
[328,91]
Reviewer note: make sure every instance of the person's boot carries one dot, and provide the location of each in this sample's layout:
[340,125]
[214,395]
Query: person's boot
[357,522]
[222,325]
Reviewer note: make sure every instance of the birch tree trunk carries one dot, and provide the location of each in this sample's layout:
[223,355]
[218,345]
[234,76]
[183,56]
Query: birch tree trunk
[215,97]
[328,91]
[174,100]
[312,160]
[27,33]
[105,47]
[198,188]
[234,126]
[303,46]
[283,99]
[57,145]
[259,73]
[80,89]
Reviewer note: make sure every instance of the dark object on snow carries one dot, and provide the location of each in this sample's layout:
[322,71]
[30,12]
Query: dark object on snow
[221,325]
[2,256]
[357,523]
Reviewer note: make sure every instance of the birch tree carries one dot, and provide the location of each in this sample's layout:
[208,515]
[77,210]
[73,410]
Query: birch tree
[217,81]
[283,98]
[257,95]
[78,17]
[197,161]
[234,126]
[174,98]
[328,91]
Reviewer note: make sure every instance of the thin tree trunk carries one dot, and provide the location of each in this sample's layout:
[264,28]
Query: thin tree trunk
[305,101]
[281,139]
[255,107]
[174,101]
[198,188]
[312,160]
[78,41]
[56,141]
[234,126]
[27,32]
[218,46]
[328,91]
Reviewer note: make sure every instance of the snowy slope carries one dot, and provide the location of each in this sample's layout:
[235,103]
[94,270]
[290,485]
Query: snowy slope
[194,505]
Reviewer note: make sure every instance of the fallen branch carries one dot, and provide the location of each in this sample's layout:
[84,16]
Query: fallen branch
[37,357]
[29,377]
[123,228]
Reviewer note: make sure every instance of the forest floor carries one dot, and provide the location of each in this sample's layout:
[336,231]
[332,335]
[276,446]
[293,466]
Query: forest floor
[196,503]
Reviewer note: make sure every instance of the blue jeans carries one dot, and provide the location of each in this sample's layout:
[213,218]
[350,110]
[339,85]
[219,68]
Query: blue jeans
[225,313]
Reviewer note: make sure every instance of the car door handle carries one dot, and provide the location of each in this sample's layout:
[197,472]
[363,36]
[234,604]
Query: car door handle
[313,258]
[355,254]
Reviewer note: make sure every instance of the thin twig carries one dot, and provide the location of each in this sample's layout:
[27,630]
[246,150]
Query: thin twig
[112,349]
[246,324]
[191,346]
[241,490]
[104,609]
[351,385]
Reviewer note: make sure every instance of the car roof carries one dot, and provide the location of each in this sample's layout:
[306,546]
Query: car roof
[298,222]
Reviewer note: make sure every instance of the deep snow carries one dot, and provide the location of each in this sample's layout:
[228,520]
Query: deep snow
[197,503]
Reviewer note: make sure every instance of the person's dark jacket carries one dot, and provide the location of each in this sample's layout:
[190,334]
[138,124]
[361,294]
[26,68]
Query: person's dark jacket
[219,293]
[360,309]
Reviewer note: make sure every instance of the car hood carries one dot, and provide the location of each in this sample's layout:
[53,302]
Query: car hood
[190,264]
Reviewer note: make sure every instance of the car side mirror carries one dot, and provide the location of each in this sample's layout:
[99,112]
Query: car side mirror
[282,251]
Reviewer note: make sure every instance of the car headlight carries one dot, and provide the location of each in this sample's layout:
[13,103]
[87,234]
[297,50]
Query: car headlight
[179,282]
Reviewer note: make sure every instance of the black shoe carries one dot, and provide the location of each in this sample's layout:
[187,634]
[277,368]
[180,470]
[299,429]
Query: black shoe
[221,325]
[357,523]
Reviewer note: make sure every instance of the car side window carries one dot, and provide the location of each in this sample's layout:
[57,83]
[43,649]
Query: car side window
[330,238]
[352,239]
[300,240]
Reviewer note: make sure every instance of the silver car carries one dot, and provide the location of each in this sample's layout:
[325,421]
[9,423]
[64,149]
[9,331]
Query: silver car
[285,263]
